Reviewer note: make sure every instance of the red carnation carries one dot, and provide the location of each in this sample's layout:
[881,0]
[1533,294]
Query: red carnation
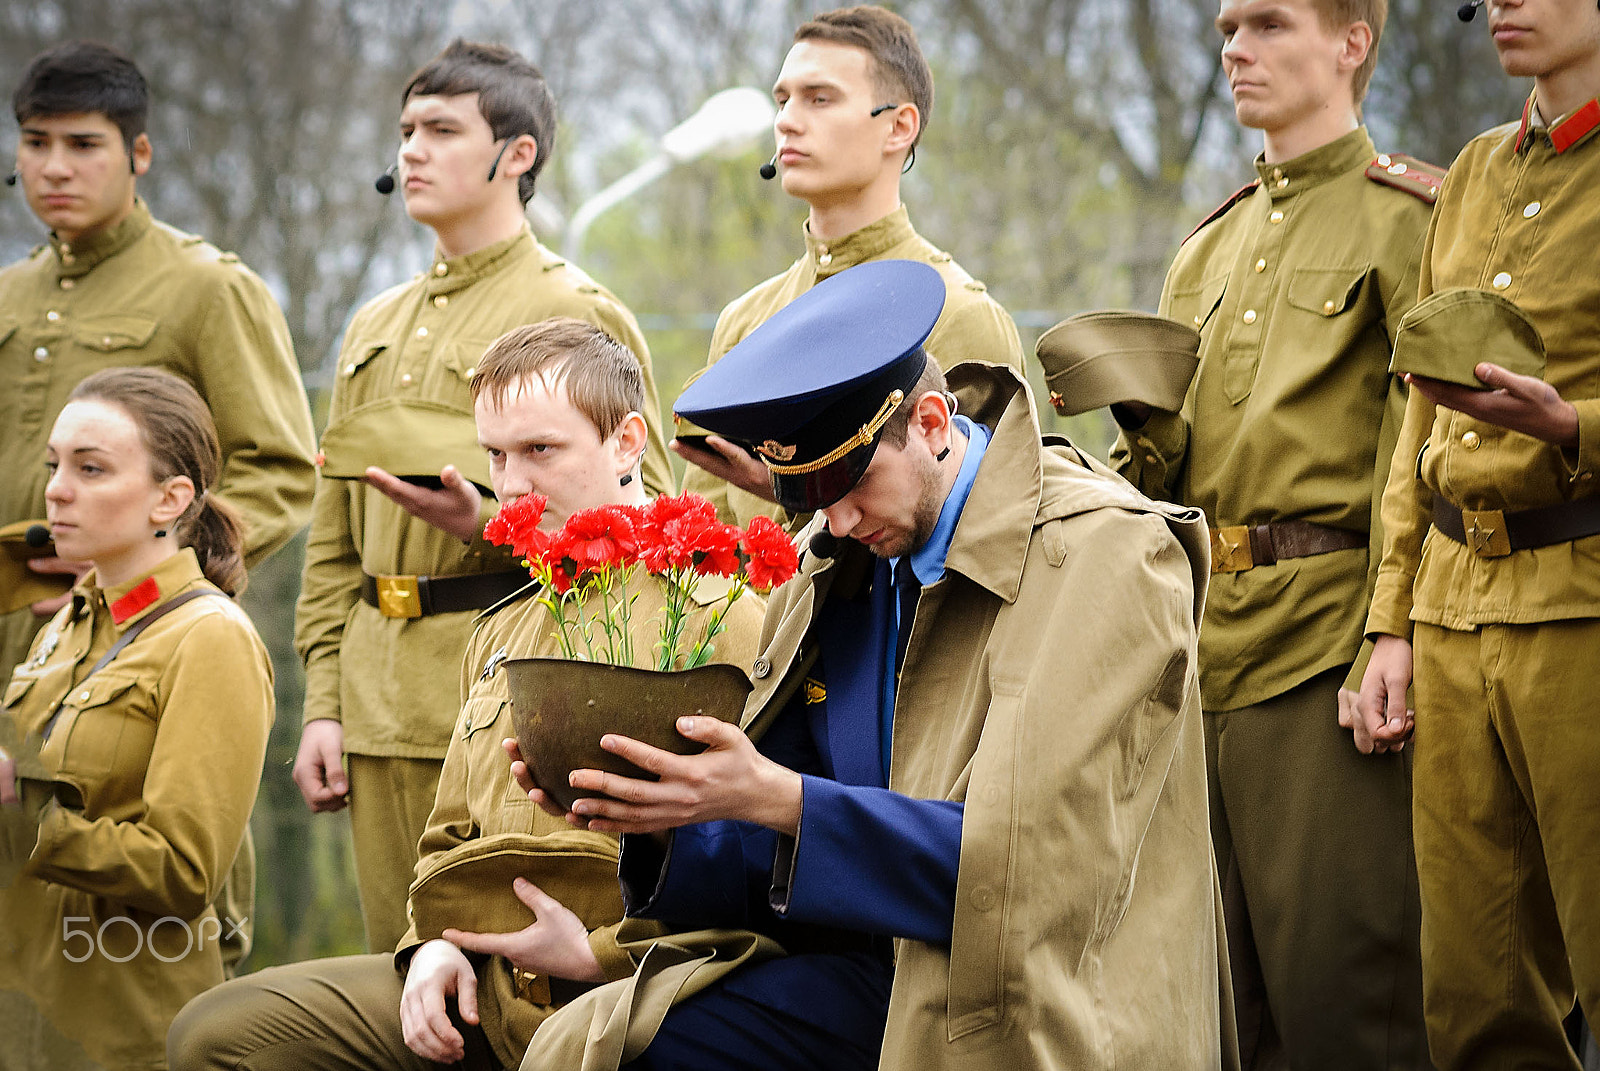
[773,559]
[599,537]
[715,547]
[517,526]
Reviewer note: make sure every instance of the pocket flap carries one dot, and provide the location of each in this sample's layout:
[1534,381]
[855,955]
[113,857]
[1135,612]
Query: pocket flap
[1326,291]
[110,333]
[359,353]
[461,356]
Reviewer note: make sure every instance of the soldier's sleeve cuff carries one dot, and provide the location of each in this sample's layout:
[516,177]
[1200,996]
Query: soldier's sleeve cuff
[1390,614]
[322,690]
[1584,462]
[613,960]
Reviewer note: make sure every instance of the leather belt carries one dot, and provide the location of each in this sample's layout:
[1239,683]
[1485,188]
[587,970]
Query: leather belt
[1495,533]
[420,596]
[1240,547]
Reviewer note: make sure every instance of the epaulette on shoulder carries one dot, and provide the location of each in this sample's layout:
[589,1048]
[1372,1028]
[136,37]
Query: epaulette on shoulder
[1408,174]
[1221,210]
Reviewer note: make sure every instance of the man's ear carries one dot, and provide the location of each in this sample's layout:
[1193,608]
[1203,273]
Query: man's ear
[631,438]
[904,130]
[519,156]
[1357,45]
[931,419]
[142,155]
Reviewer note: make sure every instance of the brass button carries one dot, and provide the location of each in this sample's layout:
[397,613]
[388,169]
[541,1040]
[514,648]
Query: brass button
[66,248]
[472,371]
[83,696]
[441,269]
[1283,182]
[422,332]
[1383,159]
[1197,321]
[1531,210]
[440,301]
[1249,316]
[67,258]
[52,316]
[1152,459]
[350,369]
[1328,308]
[1277,172]
[1397,169]
[824,259]
[983,898]
[405,380]
[41,354]
[1261,265]
[68,284]
[1276,217]
[1471,440]
[105,340]
[1502,280]
[761,669]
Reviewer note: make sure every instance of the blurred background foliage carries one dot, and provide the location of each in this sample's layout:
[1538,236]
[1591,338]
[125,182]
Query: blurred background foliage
[1072,145]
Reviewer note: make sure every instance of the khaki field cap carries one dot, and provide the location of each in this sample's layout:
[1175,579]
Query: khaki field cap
[409,438]
[1447,334]
[469,888]
[19,585]
[1096,359]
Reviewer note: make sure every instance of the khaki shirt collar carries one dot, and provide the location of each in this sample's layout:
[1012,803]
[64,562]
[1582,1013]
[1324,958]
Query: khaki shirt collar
[1567,132]
[80,257]
[449,274]
[1338,157]
[130,601]
[869,243]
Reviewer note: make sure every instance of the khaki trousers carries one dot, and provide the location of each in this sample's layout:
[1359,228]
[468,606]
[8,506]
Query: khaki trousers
[1508,838]
[1313,843]
[390,800]
[340,1014]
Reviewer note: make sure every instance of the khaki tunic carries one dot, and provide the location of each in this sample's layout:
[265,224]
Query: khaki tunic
[1049,684]
[165,744]
[1297,291]
[478,798]
[392,681]
[143,293]
[1516,217]
[972,326]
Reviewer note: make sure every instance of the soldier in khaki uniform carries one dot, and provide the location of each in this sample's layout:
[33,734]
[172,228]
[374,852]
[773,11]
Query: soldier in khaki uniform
[1297,285]
[143,711]
[115,287]
[394,1011]
[1491,576]
[853,98]
[477,125]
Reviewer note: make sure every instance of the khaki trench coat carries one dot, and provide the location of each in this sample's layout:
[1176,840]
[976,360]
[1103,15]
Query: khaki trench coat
[1049,683]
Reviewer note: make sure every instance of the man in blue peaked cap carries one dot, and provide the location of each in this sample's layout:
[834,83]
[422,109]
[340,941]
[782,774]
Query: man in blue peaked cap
[975,724]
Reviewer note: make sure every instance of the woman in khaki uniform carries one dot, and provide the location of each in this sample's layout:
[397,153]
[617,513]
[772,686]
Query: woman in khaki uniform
[141,718]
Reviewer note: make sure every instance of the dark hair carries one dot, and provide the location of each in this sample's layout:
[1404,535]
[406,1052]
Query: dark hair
[512,95]
[176,428]
[898,64]
[601,375]
[84,77]
[898,428]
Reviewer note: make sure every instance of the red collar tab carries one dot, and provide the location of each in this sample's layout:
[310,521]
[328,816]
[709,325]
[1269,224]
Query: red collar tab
[1567,133]
[142,596]
[1238,195]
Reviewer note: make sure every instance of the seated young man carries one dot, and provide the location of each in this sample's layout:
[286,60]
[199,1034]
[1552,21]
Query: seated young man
[558,408]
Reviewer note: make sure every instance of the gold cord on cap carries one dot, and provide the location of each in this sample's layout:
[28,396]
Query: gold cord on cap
[860,438]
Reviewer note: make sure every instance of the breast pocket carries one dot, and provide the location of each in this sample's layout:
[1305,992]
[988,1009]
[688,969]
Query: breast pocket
[462,355]
[106,726]
[358,354]
[1326,292]
[485,721]
[1195,305]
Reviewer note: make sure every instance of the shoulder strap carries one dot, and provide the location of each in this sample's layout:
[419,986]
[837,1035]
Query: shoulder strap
[128,637]
[1407,174]
[1221,210]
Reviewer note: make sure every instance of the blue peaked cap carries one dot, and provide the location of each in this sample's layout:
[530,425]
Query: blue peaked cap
[811,388]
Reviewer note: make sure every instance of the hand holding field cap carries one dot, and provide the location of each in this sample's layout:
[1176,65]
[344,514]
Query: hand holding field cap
[1096,359]
[1447,335]
[19,585]
[411,438]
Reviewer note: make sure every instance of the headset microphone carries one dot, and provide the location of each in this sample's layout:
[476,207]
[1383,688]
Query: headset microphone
[385,183]
[11,179]
[769,169]
[1469,10]
[824,544]
[37,535]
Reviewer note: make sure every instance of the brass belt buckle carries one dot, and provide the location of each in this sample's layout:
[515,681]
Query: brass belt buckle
[398,596]
[533,988]
[1486,532]
[1230,549]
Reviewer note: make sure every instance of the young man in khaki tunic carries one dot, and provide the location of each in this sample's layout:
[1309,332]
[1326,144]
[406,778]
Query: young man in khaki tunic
[113,286]
[854,96]
[544,397]
[1296,286]
[1491,577]
[395,572]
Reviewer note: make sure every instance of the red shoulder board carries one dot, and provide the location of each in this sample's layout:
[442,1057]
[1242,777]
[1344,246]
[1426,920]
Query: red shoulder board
[1406,173]
[1238,195]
